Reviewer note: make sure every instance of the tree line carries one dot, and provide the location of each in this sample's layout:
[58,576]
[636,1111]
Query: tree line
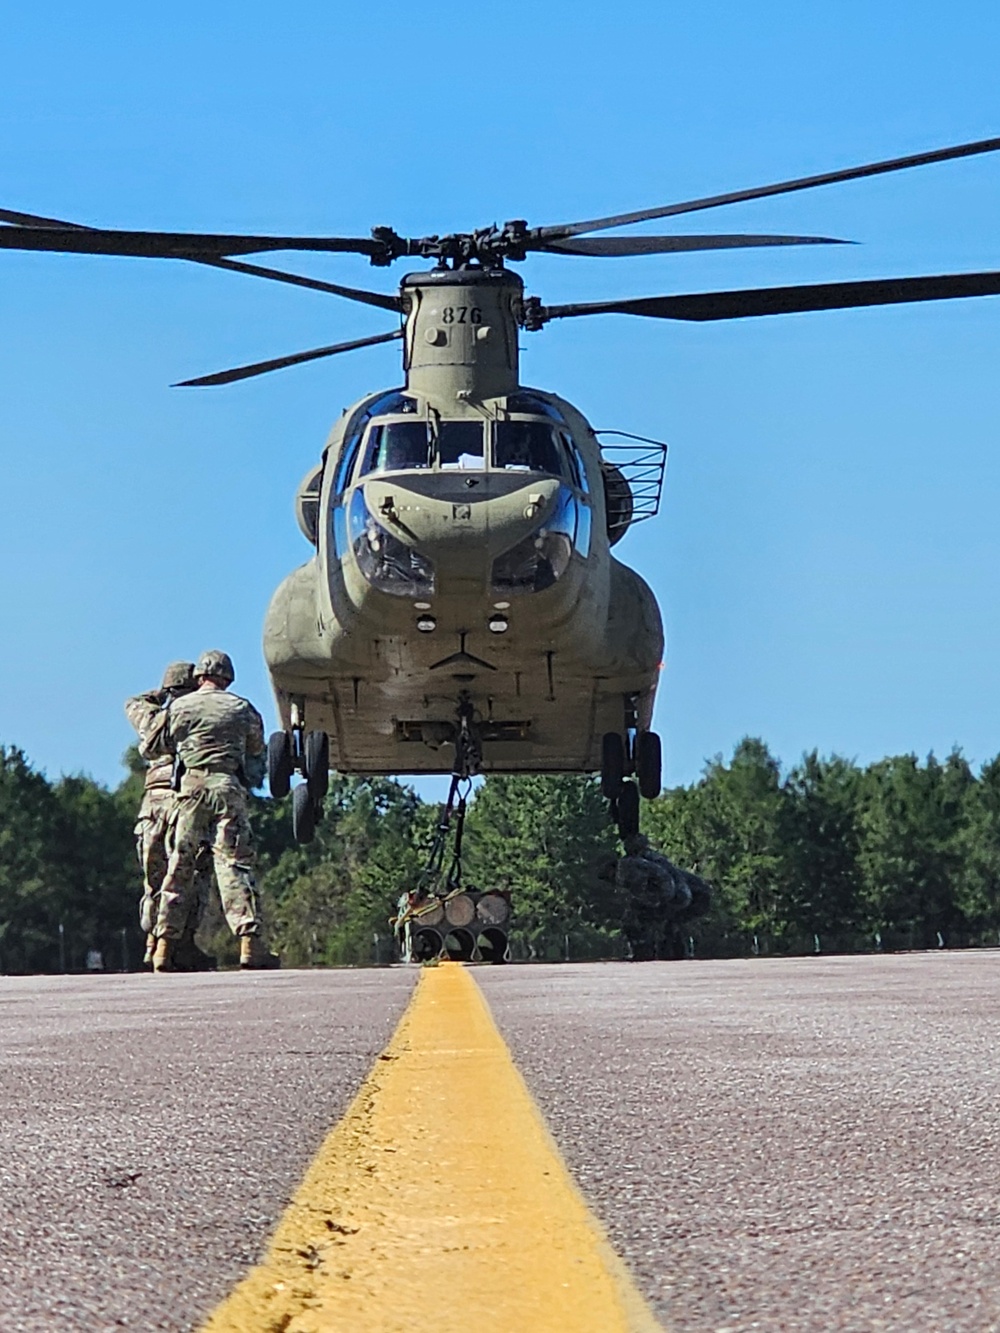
[828,856]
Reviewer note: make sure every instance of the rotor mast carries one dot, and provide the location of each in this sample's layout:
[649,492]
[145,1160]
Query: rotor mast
[461,332]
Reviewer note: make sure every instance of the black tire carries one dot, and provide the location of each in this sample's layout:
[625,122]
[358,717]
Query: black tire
[628,810]
[493,945]
[612,764]
[648,764]
[316,756]
[280,763]
[303,814]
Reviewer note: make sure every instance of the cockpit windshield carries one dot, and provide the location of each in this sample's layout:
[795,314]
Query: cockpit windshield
[460,445]
[527,446]
[517,446]
[396,446]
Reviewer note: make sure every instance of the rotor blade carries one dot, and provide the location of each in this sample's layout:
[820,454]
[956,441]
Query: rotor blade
[662,245]
[543,234]
[789,300]
[278,275]
[171,244]
[279,362]
[34,220]
[255,270]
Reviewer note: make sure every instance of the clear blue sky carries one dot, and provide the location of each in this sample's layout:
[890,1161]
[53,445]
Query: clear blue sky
[828,554]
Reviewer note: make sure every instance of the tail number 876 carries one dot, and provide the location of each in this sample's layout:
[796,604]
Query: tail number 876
[461,314]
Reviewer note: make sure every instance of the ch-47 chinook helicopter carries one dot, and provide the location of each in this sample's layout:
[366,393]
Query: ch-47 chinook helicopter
[463,610]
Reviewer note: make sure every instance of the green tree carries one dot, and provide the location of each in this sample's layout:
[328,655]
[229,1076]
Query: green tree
[729,828]
[978,892]
[66,860]
[545,840]
[33,891]
[822,836]
[681,822]
[328,900]
[912,822]
[92,842]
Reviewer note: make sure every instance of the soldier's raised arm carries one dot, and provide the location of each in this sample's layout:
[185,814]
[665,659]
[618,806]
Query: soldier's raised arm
[149,713]
[141,709]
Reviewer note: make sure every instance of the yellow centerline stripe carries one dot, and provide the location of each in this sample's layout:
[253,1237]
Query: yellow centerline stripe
[439,1201]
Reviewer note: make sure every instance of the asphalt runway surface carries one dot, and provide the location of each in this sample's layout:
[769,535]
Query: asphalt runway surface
[806,1144]
[153,1128]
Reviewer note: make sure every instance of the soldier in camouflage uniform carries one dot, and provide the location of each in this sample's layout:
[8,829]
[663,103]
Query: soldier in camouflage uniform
[656,897]
[146,713]
[218,741]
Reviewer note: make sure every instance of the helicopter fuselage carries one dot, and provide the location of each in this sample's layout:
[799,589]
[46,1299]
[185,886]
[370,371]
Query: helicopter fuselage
[462,554]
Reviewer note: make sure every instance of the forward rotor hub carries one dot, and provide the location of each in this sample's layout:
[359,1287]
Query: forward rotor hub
[489,246]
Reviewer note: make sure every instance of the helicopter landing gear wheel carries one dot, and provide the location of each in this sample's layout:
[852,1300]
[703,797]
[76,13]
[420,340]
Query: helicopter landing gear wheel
[612,764]
[627,810]
[303,814]
[648,764]
[316,760]
[280,763]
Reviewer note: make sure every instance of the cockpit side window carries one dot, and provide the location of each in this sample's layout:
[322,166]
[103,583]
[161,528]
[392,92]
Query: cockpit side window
[392,401]
[578,473]
[396,446]
[345,463]
[460,445]
[528,446]
[534,405]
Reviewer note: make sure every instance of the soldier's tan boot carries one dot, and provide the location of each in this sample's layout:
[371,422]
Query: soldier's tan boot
[255,954]
[163,955]
[147,961]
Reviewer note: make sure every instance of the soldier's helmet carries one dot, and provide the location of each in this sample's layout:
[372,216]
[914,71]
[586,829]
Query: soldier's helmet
[216,664]
[178,676]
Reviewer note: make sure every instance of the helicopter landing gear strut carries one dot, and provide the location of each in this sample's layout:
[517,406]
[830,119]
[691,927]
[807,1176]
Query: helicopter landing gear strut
[307,753]
[442,917]
[625,755]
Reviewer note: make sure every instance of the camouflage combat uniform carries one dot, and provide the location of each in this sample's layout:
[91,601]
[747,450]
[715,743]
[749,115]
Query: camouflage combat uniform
[656,897]
[152,827]
[216,736]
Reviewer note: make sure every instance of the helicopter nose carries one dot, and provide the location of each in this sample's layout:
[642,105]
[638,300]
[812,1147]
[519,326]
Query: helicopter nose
[478,513]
